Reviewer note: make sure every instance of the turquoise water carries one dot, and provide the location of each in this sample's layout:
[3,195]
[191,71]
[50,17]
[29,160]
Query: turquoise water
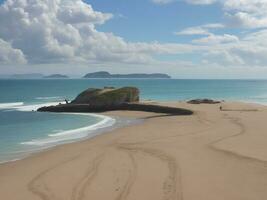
[160,89]
[22,130]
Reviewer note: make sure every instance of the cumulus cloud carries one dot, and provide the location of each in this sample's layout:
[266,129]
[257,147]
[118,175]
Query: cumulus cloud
[227,50]
[256,6]
[246,13]
[49,30]
[10,55]
[247,49]
[250,51]
[59,31]
[245,20]
[239,13]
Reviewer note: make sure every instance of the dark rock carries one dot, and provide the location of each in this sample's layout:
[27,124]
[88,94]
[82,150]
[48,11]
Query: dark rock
[108,87]
[203,101]
[107,96]
[110,99]
[85,108]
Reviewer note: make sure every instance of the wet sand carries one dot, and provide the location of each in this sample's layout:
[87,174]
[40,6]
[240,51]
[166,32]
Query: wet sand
[211,155]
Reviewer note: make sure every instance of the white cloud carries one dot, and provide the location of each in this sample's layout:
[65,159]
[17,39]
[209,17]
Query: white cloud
[216,39]
[239,13]
[9,55]
[201,2]
[213,26]
[193,31]
[78,12]
[162,1]
[50,30]
[255,6]
[246,20]
[249,51]
[246,13]
[59,31]
[200,30]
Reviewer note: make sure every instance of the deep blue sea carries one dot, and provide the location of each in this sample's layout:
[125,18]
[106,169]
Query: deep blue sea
[22,130]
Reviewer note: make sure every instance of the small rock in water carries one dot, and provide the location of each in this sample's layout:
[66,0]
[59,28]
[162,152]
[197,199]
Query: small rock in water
[203,101]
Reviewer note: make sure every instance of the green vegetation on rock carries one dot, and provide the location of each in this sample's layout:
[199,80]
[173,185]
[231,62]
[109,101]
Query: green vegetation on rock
[108,96]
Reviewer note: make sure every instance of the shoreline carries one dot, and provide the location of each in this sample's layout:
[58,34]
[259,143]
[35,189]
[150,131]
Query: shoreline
[210,155]
[118,123]
[106,125]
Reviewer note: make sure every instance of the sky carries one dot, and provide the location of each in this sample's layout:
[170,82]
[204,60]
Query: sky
[183,38]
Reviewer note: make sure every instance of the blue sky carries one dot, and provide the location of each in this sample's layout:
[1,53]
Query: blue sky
[142,20]
[184,38]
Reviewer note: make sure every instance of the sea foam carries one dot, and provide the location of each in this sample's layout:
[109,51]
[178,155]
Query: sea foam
[74,134]
[20,106]
[57,137]
[48,98]
[10,105]
[34,107]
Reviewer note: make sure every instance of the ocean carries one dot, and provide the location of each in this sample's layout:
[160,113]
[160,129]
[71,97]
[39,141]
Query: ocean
[24,131]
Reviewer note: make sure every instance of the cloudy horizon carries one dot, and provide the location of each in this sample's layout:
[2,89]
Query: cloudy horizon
[183,38]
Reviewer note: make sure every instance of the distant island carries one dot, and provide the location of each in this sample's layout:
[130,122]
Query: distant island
[56,76]
[34,76]
[100,74]
[104,74]
[25,76]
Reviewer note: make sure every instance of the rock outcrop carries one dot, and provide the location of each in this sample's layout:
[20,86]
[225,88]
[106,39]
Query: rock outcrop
[86,108]
[203,101]
[107,96]
[110,99]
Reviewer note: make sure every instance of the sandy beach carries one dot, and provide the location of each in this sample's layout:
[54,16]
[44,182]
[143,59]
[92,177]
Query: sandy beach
[211,155]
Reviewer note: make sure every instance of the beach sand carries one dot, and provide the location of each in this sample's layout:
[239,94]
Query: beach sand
[211,155]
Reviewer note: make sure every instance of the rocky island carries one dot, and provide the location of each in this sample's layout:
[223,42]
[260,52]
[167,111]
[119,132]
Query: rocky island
[110,99]
[104,74]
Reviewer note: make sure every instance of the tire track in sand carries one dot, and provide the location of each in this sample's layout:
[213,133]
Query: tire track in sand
[127,187]
[79,189]
[40,188]
[172,186]
[242,131]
